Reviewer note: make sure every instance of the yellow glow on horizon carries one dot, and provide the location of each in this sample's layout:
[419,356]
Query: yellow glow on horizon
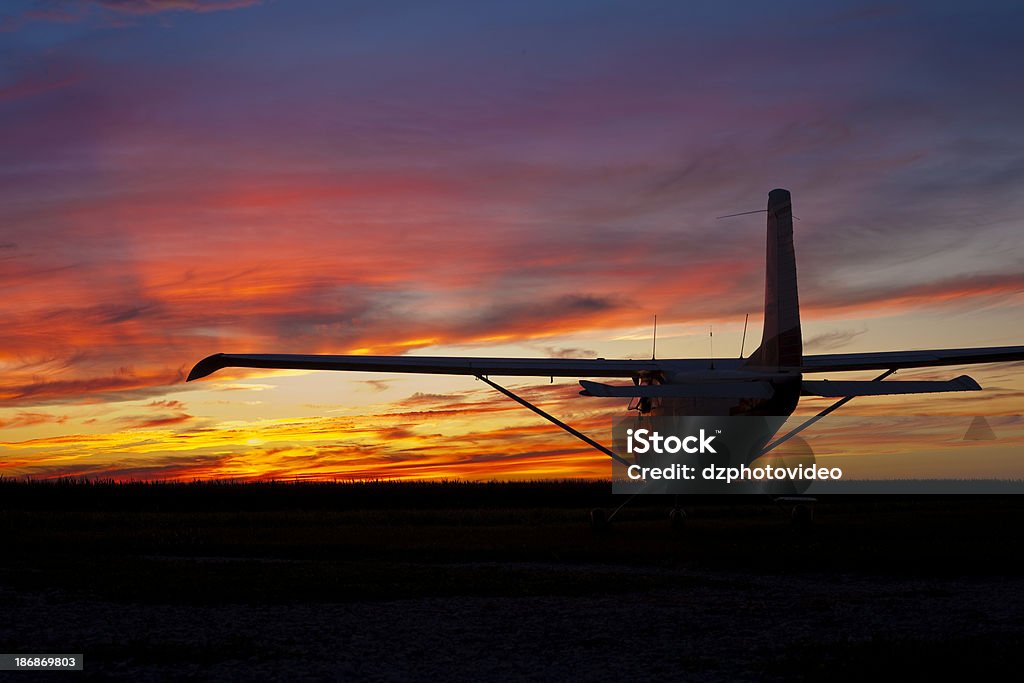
[368,425]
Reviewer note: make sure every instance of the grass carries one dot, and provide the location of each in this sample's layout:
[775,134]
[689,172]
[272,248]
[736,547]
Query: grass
[247,550]
[271,541]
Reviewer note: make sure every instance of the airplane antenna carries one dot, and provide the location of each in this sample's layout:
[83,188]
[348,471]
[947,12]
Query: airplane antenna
[745,213]
[743,342]
[654,342]
[711,336]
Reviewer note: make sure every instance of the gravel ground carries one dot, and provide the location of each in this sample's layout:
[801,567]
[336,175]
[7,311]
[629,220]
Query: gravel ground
[713,626]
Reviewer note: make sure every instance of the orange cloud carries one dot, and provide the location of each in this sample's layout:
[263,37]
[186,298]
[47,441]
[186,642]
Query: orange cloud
[27,419]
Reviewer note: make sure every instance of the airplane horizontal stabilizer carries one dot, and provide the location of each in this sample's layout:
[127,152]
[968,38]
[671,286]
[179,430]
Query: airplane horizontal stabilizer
[762,390]
[868,388]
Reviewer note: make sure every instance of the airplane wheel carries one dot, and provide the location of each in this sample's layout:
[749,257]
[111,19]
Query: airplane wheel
[802,518]
[599,520]
[677,518]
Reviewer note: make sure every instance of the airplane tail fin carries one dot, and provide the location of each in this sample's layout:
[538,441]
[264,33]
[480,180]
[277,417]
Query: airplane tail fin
[781,342]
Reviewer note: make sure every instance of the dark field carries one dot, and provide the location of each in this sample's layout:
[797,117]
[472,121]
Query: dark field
[394,581]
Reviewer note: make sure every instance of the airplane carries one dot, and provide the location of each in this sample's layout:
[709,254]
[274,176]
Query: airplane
[768,382]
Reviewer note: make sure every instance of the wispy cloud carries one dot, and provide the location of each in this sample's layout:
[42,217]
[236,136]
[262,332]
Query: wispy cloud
[384,180]
[158,6]
[830,341]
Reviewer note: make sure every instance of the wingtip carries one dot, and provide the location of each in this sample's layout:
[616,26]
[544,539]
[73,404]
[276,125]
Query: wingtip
[206,366]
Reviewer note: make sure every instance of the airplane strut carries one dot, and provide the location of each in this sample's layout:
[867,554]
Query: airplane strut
[554,420]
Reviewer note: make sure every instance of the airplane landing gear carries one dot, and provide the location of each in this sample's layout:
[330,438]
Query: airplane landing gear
[677,519]
[802,518]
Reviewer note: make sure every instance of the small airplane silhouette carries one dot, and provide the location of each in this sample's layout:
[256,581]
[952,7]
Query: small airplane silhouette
[769,382]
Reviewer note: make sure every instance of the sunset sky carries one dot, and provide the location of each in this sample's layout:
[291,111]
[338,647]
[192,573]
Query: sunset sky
[182,178]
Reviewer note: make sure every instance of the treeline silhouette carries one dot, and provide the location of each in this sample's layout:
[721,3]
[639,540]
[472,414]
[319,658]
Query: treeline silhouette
[228,495]
[220,495]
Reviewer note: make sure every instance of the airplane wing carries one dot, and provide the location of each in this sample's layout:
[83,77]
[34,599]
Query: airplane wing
[438,365]
[576,368]
[888,360]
